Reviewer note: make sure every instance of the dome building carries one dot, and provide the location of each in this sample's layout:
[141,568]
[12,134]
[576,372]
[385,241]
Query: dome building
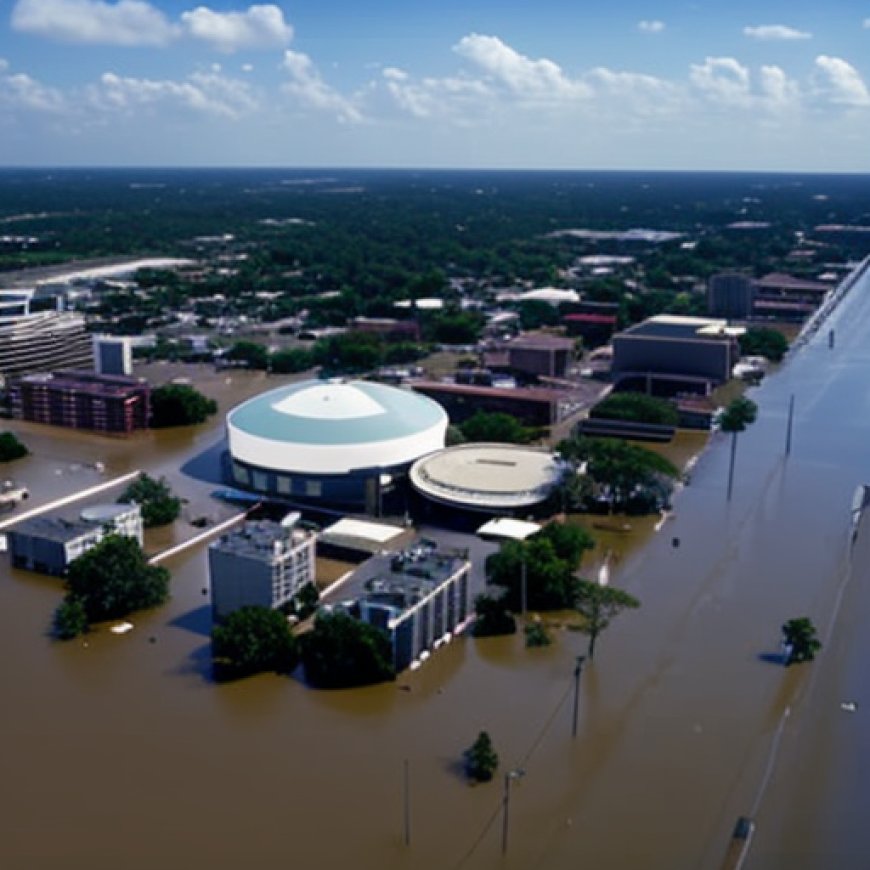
[336,442]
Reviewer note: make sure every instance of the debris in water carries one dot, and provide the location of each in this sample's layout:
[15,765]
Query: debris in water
[121,628]
[849,706]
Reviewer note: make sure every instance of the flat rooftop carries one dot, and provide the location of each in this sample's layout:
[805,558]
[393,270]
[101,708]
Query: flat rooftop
[673,326]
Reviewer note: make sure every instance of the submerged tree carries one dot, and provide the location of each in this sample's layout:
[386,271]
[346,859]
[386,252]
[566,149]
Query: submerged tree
[179,405]
[159,506]
[10,447]
[738,415]
[492,616]
[481,759]
[800,641]
[599,605]
[251,640]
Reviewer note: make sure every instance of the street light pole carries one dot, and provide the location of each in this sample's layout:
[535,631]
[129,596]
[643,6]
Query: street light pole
[407,791]
[516,773]
[578,668]
[523,588]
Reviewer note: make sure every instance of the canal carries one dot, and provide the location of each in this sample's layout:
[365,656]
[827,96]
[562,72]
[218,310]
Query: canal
[120,751]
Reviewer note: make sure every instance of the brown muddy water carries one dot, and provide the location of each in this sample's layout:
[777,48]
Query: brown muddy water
[118,751]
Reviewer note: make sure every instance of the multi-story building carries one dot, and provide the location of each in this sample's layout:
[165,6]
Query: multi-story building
[113,355]
[420,597]
[731,295]
[36,335]
[82,400]
[48,544]
[261,563]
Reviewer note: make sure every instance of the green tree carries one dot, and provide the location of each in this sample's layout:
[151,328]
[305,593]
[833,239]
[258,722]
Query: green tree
[598,605]
[341,651]
[179,405]
[113,579]
[481,759]
[454,327]
[349,352]
[252,640]
[11,448]
[738,415]
[492,617]
[251,353]
[763,341]
[799,638]
[638,408]
[537,634]
[630,477]
[70,618]
[545,563]
[159,506]
[495,426]
[291,360]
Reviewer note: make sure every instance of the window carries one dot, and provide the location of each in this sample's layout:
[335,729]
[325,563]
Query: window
[240,474]
[284,484]
[260,480]
[313,488]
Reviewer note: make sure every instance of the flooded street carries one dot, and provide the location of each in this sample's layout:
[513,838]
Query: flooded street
[118,751]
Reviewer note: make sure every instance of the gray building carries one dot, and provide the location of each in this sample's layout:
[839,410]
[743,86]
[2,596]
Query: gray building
[731,295]
[689,351]
[420,597]
[47,545]
[261,563]
[113,355]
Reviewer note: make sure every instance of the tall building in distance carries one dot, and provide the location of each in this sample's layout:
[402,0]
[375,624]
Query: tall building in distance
[113,355]
[261,563]
[731,295]
[82,400]
[37,335]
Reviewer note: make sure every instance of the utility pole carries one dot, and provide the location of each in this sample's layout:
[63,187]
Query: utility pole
[516,773]
[407,792]
[790,422]
[578,668]
[523,588]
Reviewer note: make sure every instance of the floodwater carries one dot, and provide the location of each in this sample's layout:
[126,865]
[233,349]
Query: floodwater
[119,751]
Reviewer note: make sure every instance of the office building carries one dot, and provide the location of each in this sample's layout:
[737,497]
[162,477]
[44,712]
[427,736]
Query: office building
[261,563]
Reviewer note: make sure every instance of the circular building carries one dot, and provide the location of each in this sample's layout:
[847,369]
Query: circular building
[488,478]
[337,442]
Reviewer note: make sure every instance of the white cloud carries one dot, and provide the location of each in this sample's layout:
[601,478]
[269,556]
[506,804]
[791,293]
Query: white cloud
[207,93]
[538,80]
[867,23]
[722,80]
[651,26]
[307,85]
[258,27]
[127,22]
[775,32]
[20,91]
[778,91]
[840,83]
[455,98]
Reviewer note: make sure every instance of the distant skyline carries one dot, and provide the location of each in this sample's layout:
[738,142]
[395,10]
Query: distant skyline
[459,83]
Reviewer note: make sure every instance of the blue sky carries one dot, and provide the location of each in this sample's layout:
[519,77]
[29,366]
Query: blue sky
[457,83]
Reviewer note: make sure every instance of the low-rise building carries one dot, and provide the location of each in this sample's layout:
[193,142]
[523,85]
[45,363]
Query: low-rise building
[687,352]
[83,400]
[261,563]
[49,544]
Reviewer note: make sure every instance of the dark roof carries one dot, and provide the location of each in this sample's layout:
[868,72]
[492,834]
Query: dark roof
[779,281]
[541,341]
[667,329]
[518,394]
[606,319]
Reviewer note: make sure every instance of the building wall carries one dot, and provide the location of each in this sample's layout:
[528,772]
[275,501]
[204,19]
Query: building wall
[730,296]
[460,406]
[712,359]
[42,342]
[267,579]
[547,362]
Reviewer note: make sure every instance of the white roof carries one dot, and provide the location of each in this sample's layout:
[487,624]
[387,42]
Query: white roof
[506,527]
[330,401]
[551,294]
[380,533]
[429,304]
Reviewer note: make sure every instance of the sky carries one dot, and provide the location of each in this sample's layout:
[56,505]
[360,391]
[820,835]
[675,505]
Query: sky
[782,85]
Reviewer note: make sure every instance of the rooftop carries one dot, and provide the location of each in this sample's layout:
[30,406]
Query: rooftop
[260,539]
[678,327]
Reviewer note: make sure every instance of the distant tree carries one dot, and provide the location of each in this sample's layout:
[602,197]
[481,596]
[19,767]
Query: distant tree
[70,618]
[291,360]
[11,448]
[179,405]
[349,352]
[403,352]
[454,436]
[799,638]
[159,506]
[492,617]
[636,407]
[252,640]
[738,415]
[250,353]
[454,327]
[481,759]
[763,341]
[113,579]
[341,651]
[535,313]
[598,605]
[495,426]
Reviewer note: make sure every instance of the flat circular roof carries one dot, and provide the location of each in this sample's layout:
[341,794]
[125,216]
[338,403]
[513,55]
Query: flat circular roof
[335,426]
[488,476]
